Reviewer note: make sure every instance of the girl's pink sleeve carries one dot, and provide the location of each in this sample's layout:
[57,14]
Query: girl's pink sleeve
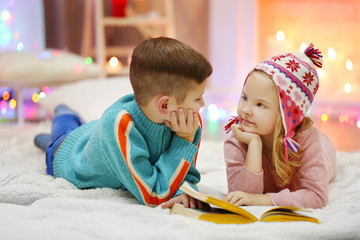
[239,177]
[312,179]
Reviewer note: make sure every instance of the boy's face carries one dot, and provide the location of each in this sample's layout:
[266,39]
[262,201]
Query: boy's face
[194,98]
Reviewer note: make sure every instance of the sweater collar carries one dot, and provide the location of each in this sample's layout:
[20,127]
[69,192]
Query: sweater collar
[143,123]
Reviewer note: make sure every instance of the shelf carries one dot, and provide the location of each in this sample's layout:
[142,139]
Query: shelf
[119,50]
[124,70]
[145,24]
[134,21]
[113,51]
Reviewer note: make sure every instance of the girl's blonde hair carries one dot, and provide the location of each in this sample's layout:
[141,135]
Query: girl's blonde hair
[285,170]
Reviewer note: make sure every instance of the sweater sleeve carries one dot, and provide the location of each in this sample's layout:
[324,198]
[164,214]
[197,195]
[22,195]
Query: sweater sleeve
[312,179]
[151,184]
[193,175]
[239,177]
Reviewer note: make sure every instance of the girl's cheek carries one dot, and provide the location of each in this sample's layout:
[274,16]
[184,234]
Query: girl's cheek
[239,111]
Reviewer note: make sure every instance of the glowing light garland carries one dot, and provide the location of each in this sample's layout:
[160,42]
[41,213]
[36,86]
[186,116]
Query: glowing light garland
[213,113]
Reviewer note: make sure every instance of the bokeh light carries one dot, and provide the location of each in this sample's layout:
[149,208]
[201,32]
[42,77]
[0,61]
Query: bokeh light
[2,104]
[303,46]
[20,47]
[213,113]
[113,62]
[45,89]
[88,60]
[347,88]
[35,97]
[12,104]
[5,15]
[324,117]
[331,53]
[6,95]
[320,72]
[349,65]
[42,95]
[280,35]
[79,69]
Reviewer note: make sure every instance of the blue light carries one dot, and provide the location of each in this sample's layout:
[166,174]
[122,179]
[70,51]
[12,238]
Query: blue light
[5,34]
[20,47]
[222,114]
[213,113]
[45,55]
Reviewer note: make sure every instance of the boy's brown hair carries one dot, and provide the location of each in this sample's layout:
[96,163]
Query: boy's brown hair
[166,66]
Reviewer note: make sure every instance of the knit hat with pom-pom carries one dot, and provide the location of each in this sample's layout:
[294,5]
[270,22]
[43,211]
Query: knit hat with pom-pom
[297,82]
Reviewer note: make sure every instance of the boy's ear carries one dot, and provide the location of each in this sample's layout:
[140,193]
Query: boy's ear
[162,104]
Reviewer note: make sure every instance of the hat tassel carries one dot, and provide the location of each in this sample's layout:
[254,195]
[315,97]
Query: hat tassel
[292,144]
[314,55]
[233,120]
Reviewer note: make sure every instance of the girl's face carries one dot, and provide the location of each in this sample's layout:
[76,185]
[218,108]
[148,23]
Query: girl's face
[258,108]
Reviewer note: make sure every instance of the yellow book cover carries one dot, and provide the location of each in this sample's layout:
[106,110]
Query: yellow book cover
[226,213]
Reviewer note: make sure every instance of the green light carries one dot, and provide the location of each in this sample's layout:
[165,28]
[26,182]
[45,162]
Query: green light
[88,60]
[213,129]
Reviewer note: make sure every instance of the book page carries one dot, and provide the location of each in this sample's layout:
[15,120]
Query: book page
[216,215]
[215,201]
[282,213]
[257,211]
[254,213]
[211,192]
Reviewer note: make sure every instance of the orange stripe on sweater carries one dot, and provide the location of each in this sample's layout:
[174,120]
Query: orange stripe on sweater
[153,200]
[201,126]
[148,199]
[176,184]
[123,124]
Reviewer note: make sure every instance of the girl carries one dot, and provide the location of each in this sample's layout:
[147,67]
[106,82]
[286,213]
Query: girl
[274,155]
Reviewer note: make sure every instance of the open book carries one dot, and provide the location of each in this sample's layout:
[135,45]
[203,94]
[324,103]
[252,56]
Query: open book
[224,212]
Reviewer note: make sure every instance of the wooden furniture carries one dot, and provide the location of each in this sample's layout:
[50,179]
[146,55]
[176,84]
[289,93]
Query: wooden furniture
[147,24]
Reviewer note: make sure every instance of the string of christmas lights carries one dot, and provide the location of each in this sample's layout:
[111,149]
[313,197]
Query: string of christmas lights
[216,111]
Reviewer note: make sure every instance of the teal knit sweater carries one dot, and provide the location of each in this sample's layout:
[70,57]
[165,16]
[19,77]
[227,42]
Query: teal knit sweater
[125,150]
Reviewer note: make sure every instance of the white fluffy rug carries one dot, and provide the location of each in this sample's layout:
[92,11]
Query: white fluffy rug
[36,206]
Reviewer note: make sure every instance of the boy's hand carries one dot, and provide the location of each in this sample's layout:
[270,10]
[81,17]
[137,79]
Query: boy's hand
[184,125]
[187,201]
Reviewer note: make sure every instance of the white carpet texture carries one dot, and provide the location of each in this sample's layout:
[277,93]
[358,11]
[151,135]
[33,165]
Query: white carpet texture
[36,206]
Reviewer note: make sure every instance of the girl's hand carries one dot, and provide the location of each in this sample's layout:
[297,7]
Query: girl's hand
[243,136]
[187,201]
[253,157]
[240,198]
[184,125]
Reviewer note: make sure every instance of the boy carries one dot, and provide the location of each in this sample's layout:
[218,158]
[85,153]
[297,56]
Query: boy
[146,142]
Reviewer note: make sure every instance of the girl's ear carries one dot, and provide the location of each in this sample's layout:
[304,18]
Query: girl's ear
[162,104]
